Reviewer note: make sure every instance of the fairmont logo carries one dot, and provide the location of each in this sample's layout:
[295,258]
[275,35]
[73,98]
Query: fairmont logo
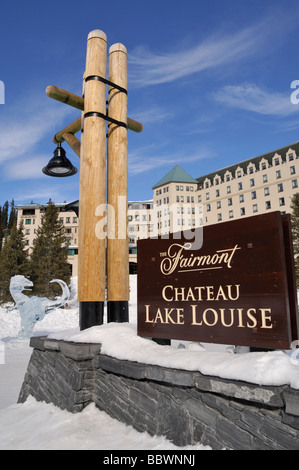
[181,258]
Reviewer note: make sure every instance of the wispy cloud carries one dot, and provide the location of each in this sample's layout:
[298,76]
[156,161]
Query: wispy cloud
[25,168]
[250,97]
[149,68]
[143,160]
[21,131]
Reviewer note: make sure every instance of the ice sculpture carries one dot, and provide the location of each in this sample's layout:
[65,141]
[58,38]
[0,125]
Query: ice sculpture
[33,309]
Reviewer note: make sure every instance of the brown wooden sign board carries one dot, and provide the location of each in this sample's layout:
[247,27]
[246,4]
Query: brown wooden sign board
[238,288]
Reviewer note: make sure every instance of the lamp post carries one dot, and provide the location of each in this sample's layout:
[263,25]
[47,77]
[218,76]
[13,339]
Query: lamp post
[92,247]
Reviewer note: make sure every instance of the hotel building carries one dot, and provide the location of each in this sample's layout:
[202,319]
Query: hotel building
[181,202]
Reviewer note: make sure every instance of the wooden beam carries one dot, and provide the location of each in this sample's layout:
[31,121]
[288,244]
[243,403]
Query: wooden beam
[73,142]
[72,128]
[77,102]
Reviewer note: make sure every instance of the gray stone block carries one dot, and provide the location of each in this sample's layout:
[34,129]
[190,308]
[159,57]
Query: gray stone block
[126,368]
[291,398]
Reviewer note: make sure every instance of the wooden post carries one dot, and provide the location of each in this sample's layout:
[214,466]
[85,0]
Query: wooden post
[92,196]
[117,243]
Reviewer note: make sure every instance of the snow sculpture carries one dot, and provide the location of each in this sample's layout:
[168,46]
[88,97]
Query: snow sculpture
[33,309]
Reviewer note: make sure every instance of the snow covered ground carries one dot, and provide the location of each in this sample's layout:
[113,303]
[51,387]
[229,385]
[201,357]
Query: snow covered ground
[34,425]
[40,426]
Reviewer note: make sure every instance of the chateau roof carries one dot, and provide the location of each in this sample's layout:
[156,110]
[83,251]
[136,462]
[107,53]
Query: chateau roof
[176,175]
[255,160]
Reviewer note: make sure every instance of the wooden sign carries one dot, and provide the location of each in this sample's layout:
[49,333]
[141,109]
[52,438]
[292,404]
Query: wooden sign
[238,288]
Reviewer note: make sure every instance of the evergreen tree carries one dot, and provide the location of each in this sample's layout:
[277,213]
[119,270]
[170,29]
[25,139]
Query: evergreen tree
[13,215]
[295,232]
[13,260]
[8,218]
[49,256]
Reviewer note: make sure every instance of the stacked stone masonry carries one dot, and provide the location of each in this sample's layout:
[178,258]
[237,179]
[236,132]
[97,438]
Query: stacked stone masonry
[185,407]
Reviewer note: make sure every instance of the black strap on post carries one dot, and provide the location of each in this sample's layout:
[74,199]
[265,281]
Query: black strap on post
[106,117]
[101,79]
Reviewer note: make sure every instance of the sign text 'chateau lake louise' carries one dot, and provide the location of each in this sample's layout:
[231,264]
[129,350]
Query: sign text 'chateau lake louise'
[238,288]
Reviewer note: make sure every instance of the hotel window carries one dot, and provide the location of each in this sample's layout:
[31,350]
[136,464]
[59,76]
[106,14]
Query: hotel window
[218,204]
[280,187]
[219,217]
[241,198]
[27,231]
[182,188]
[182,198]
[217,193]
[253,195]
[217,181]
[268,205]
[230,201]
[177,188]
[266,191]
[28,222]
[265,178]
[187,188]
[239,174]
[199,198]
[254,208]
[227,177]
[281,201]
[178,199]
[294,184]
[208,207]
[231,214]
[207,196]
[276,161]
[228,190]
[291,157]
[251,170]
[240,186]
[278,174]
[242,211]
[252,182]
[264,166]
[292,170]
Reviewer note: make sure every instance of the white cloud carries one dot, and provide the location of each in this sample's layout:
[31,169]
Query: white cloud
[148,68]
[22,129]
[25,168]
[142,160]
[251,97]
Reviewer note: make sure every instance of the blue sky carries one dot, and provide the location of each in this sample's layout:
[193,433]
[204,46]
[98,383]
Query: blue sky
[209,80]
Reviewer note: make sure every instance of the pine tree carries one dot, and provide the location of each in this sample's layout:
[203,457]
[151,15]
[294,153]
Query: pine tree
[49,256]
[13,260]
[295,232]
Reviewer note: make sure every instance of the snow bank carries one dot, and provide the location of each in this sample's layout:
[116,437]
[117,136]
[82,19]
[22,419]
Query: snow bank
[39,426]
[120,340]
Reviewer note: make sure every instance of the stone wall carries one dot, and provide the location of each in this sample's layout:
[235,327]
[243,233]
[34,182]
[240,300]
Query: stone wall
[185,407]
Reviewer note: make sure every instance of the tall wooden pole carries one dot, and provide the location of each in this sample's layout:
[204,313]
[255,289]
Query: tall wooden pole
[117,243]
[91,248]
